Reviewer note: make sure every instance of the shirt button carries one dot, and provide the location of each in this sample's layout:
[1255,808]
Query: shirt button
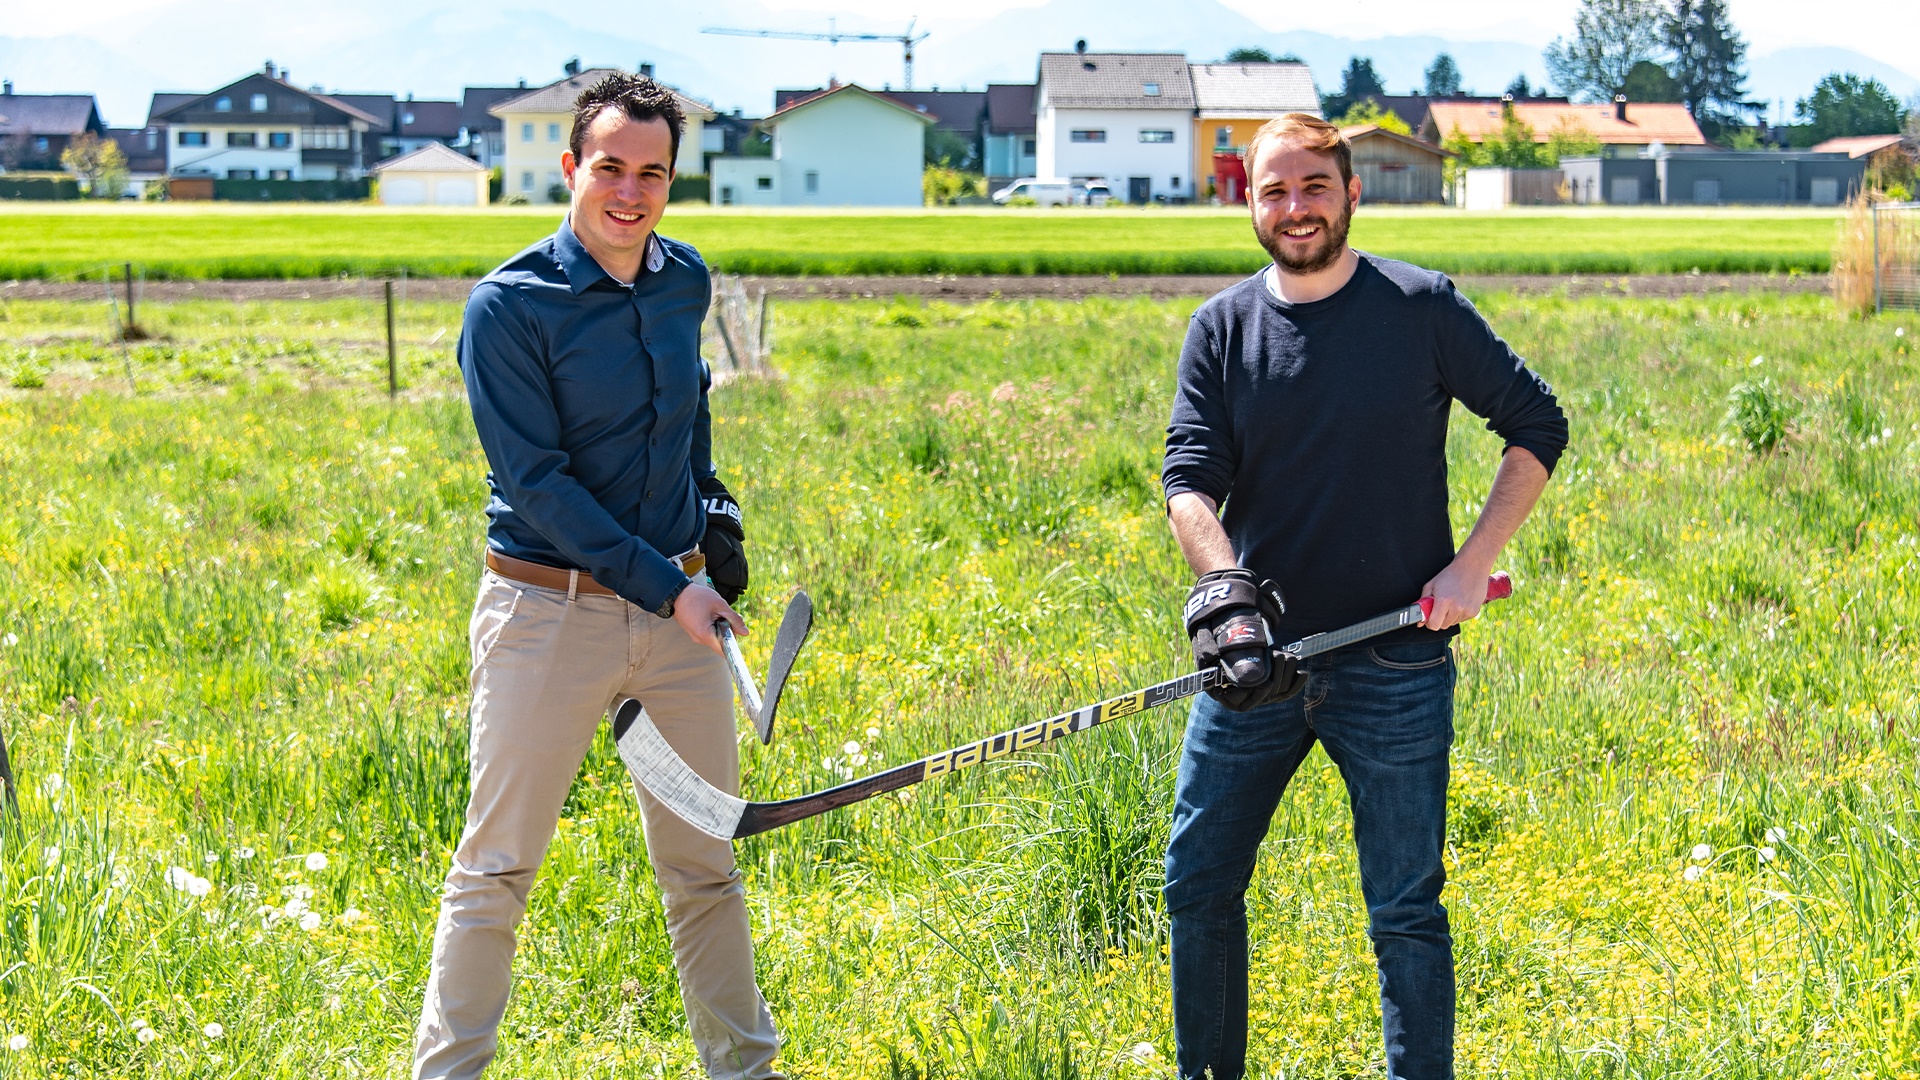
[649,493]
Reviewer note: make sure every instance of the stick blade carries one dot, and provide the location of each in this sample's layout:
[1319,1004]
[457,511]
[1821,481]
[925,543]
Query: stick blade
[794,628]
[667,777]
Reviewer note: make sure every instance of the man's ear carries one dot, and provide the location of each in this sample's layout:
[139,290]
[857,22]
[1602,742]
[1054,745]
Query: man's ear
[567,166]
[1353,193]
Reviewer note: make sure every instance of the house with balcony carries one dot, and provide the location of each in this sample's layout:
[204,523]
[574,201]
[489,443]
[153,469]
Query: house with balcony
[262,127]
[537,125]
[842,146]
[1125,118]
[1231,102]
[35,129]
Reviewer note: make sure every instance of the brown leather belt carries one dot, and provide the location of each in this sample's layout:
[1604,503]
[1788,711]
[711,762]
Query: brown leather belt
[576,581]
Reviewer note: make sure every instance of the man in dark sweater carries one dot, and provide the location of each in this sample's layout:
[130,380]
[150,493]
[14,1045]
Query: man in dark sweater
[1313,402]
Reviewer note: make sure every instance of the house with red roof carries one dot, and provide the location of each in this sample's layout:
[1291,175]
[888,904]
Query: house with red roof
[1622,128]
[841,146]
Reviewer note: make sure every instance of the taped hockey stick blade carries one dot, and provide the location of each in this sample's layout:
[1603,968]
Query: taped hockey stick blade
[794,628]
[659,770]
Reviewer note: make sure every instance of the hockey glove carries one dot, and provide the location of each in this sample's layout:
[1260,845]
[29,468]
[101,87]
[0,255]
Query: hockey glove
[725,543]
[1229,618]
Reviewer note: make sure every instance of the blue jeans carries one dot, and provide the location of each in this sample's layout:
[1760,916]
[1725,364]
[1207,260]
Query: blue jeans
[1385,715]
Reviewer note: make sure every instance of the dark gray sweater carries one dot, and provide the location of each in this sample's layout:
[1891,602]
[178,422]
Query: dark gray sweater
[1322,427]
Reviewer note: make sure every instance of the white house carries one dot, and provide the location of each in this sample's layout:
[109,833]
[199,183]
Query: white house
[1126,118]
[844,146]
[537,124]
[264,128]
[432,176]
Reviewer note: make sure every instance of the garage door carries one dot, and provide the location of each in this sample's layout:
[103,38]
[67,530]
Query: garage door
[455,191]
[403,190]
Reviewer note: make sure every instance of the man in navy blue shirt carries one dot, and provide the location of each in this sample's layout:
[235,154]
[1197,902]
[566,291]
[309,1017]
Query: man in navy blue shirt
[1312,405]
[612,550]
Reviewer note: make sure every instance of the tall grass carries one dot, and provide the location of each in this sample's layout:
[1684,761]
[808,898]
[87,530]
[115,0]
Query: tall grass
[231,640]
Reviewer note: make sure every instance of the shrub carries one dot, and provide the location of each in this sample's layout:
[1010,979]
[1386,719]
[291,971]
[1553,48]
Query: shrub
[558,193]
[1761,413]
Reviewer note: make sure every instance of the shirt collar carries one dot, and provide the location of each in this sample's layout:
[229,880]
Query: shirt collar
[582,270]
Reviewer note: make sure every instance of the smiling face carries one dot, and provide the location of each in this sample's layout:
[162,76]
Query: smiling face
[1301,206]
[619,184]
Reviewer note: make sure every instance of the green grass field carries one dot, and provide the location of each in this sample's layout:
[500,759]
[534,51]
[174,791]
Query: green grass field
[227,241]
[232,615]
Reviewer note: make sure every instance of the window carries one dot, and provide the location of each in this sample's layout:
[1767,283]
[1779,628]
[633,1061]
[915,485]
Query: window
[279,174]
[280,140]
[1174,183]
[258,103]
[526,132]
[193,138]
[240,174]
[1222,137]
[813,182]
[326,138]
[243,138]
[1027,147]
[526,180]
[224,104]
[40,144]
[406,118]
[1089,135]
[726,194]
[1151,89]
[553,132]
[1156,136]
[763,183]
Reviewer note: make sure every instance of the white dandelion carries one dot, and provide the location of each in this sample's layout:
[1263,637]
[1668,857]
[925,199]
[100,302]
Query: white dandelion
[18,1043]
[178,877]
[243,853]
[1776,835]
[1694,873]
[317,861]
[53,784]
[310,921]
[851,748]
[1702,852]
[873,733]
[1767,854]
[146,1035]
[213,1030]
[198,886]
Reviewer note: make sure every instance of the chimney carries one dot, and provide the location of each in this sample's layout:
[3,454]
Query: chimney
[1080,46]
[573,66]
[267,68]
[523,84]
[646,71]
[6,88]
[1620,107]
[1506,106]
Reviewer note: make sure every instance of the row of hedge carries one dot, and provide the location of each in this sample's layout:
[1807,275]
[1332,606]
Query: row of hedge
[291,190]
[43,188]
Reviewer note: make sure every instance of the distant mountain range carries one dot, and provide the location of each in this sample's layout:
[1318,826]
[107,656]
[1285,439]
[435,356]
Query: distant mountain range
[432,49]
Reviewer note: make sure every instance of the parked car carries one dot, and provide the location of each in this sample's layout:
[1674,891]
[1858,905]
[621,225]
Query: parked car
[1092,193]
[1042,192]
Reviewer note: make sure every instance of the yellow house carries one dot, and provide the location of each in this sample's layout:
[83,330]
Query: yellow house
[1231,101]
[537,124]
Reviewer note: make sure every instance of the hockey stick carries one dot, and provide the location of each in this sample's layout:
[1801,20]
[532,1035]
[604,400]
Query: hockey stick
[794,627]
[656,766]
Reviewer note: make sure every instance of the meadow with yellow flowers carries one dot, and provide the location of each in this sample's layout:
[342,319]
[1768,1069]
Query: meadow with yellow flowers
[234,580]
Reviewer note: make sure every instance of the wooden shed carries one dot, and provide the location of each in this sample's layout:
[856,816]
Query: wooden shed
[1396,168]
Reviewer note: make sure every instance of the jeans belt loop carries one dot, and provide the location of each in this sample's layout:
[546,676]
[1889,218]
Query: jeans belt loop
[573,585]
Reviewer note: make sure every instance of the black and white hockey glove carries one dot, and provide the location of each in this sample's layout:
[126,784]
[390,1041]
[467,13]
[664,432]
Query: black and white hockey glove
[1229,614]
[725,543]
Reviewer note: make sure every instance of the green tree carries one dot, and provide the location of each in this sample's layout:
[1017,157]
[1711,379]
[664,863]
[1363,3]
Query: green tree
[1249,54]
[1649,81]
[1521,89]
[1443,77]
[950,150]
[1609,37]
[1707,54]
[1368,112]
[1569,138]
[98,163]
[1358,81]
[1849,105]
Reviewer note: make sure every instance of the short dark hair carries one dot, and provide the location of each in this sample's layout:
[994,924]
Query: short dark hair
[636,95]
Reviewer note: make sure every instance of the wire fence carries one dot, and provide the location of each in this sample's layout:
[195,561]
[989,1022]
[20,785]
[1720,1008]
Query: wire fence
[110,327]
[1896,256]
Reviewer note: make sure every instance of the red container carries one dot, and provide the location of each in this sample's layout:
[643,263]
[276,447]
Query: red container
[1230,178]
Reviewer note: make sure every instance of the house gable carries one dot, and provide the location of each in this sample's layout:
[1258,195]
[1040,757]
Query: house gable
[282,103]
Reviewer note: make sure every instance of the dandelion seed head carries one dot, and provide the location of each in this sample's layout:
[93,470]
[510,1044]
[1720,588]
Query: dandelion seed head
[198,886]
[1694,873]
[243,853]
[1702,852]
[18,1043]
[178,877]
[136,1024]
[212,857]
[1776,835]
[54,782]
[873,733]
[147,1035]
[317,861]
[851,748]
[310,921]
[213,1030]
[1767,854]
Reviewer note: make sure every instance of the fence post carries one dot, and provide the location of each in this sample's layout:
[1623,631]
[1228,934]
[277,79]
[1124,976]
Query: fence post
[133,321]
[1873,215]
[393,362]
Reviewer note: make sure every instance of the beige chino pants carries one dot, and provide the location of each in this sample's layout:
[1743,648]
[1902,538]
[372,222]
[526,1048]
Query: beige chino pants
[545,669]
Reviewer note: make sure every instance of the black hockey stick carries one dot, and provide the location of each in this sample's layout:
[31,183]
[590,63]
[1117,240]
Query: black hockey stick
[656,767]
[794,627]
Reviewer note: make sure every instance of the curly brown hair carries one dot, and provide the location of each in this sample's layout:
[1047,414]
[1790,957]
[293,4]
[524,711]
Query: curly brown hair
[636,95]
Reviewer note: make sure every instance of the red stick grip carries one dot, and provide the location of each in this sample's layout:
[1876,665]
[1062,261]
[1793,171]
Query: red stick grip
[1499,587]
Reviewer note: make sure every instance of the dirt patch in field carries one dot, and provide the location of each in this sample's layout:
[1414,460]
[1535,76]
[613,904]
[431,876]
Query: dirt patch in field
[959,289]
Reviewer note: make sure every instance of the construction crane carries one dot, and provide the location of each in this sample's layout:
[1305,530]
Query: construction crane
[907,39]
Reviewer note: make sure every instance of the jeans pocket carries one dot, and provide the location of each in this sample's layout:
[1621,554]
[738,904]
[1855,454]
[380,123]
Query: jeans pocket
[1410,657]
[498,601]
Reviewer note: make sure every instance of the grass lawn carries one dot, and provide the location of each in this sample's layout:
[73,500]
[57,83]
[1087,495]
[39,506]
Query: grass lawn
[231,241]
[232,610]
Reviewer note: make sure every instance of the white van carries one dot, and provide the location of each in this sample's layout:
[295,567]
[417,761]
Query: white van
[1042,192]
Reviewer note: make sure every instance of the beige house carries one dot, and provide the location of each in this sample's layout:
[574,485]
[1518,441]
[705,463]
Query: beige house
[537,124]
[432,176]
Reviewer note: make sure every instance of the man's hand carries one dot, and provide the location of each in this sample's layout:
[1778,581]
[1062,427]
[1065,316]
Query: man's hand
[698,607]
[1458,592]
[1230,617]
[725,542]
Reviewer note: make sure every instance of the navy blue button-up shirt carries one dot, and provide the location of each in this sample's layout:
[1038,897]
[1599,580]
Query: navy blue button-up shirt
[590,399]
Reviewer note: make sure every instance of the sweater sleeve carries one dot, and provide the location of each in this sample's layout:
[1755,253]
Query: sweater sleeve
[1200,453]
[1482,372]
[513,411]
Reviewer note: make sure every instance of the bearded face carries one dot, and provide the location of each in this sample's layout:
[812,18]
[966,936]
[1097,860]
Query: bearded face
[1302,207]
